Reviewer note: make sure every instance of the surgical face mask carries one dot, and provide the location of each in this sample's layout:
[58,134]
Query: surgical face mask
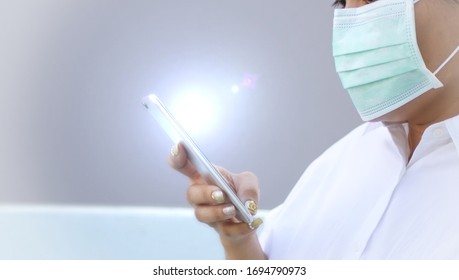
[377,57]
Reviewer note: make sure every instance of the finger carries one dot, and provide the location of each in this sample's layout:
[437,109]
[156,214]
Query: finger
[246,186]
[214,214]
[229,229]
[205,194]
[178,160]
[252,206]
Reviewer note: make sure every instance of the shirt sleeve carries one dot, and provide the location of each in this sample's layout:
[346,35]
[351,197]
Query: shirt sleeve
[265,234]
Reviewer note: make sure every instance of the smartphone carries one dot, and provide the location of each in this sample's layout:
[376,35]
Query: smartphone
[200,161]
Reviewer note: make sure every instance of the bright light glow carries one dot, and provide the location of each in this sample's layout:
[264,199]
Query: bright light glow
[195,111]
[235,88]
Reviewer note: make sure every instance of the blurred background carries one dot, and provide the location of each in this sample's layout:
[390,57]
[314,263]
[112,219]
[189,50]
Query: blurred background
[252,81]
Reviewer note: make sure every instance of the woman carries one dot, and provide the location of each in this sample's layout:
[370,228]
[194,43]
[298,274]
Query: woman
[387,190]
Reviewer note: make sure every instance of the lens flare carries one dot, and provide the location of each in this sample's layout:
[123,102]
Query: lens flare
[235,88]
[195,111]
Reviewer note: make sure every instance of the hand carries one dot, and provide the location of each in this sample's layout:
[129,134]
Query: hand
[211,204]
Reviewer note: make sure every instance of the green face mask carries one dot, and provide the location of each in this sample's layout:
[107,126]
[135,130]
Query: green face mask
[377,57]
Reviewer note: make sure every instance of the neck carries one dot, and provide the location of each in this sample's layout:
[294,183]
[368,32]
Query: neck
[442,104]
[437,105]
[415,133]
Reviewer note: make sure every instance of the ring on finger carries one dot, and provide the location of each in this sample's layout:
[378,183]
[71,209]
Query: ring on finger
[251,206]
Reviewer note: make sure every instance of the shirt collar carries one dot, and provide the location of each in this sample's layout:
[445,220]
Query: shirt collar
[371,126]
[452,125]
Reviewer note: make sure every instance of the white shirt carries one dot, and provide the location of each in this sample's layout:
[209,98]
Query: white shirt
[361,199]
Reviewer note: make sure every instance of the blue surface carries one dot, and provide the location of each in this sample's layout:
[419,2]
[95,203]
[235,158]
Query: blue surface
[62,232]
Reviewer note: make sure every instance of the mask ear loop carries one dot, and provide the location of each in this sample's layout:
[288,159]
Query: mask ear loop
[446,61]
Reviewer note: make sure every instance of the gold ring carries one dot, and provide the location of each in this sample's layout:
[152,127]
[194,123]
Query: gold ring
[251,206]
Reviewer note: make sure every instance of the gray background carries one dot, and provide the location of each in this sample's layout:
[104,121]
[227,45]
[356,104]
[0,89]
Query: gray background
[72,74]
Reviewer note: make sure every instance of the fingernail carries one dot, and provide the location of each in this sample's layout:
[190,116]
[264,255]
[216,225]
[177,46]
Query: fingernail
[175,150]
[229,210]
[256,223]
[218,196]
[251,206]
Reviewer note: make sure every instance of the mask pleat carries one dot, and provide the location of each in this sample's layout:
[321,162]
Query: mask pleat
[382,98]
[375,73]
[386,32]
[371,58]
